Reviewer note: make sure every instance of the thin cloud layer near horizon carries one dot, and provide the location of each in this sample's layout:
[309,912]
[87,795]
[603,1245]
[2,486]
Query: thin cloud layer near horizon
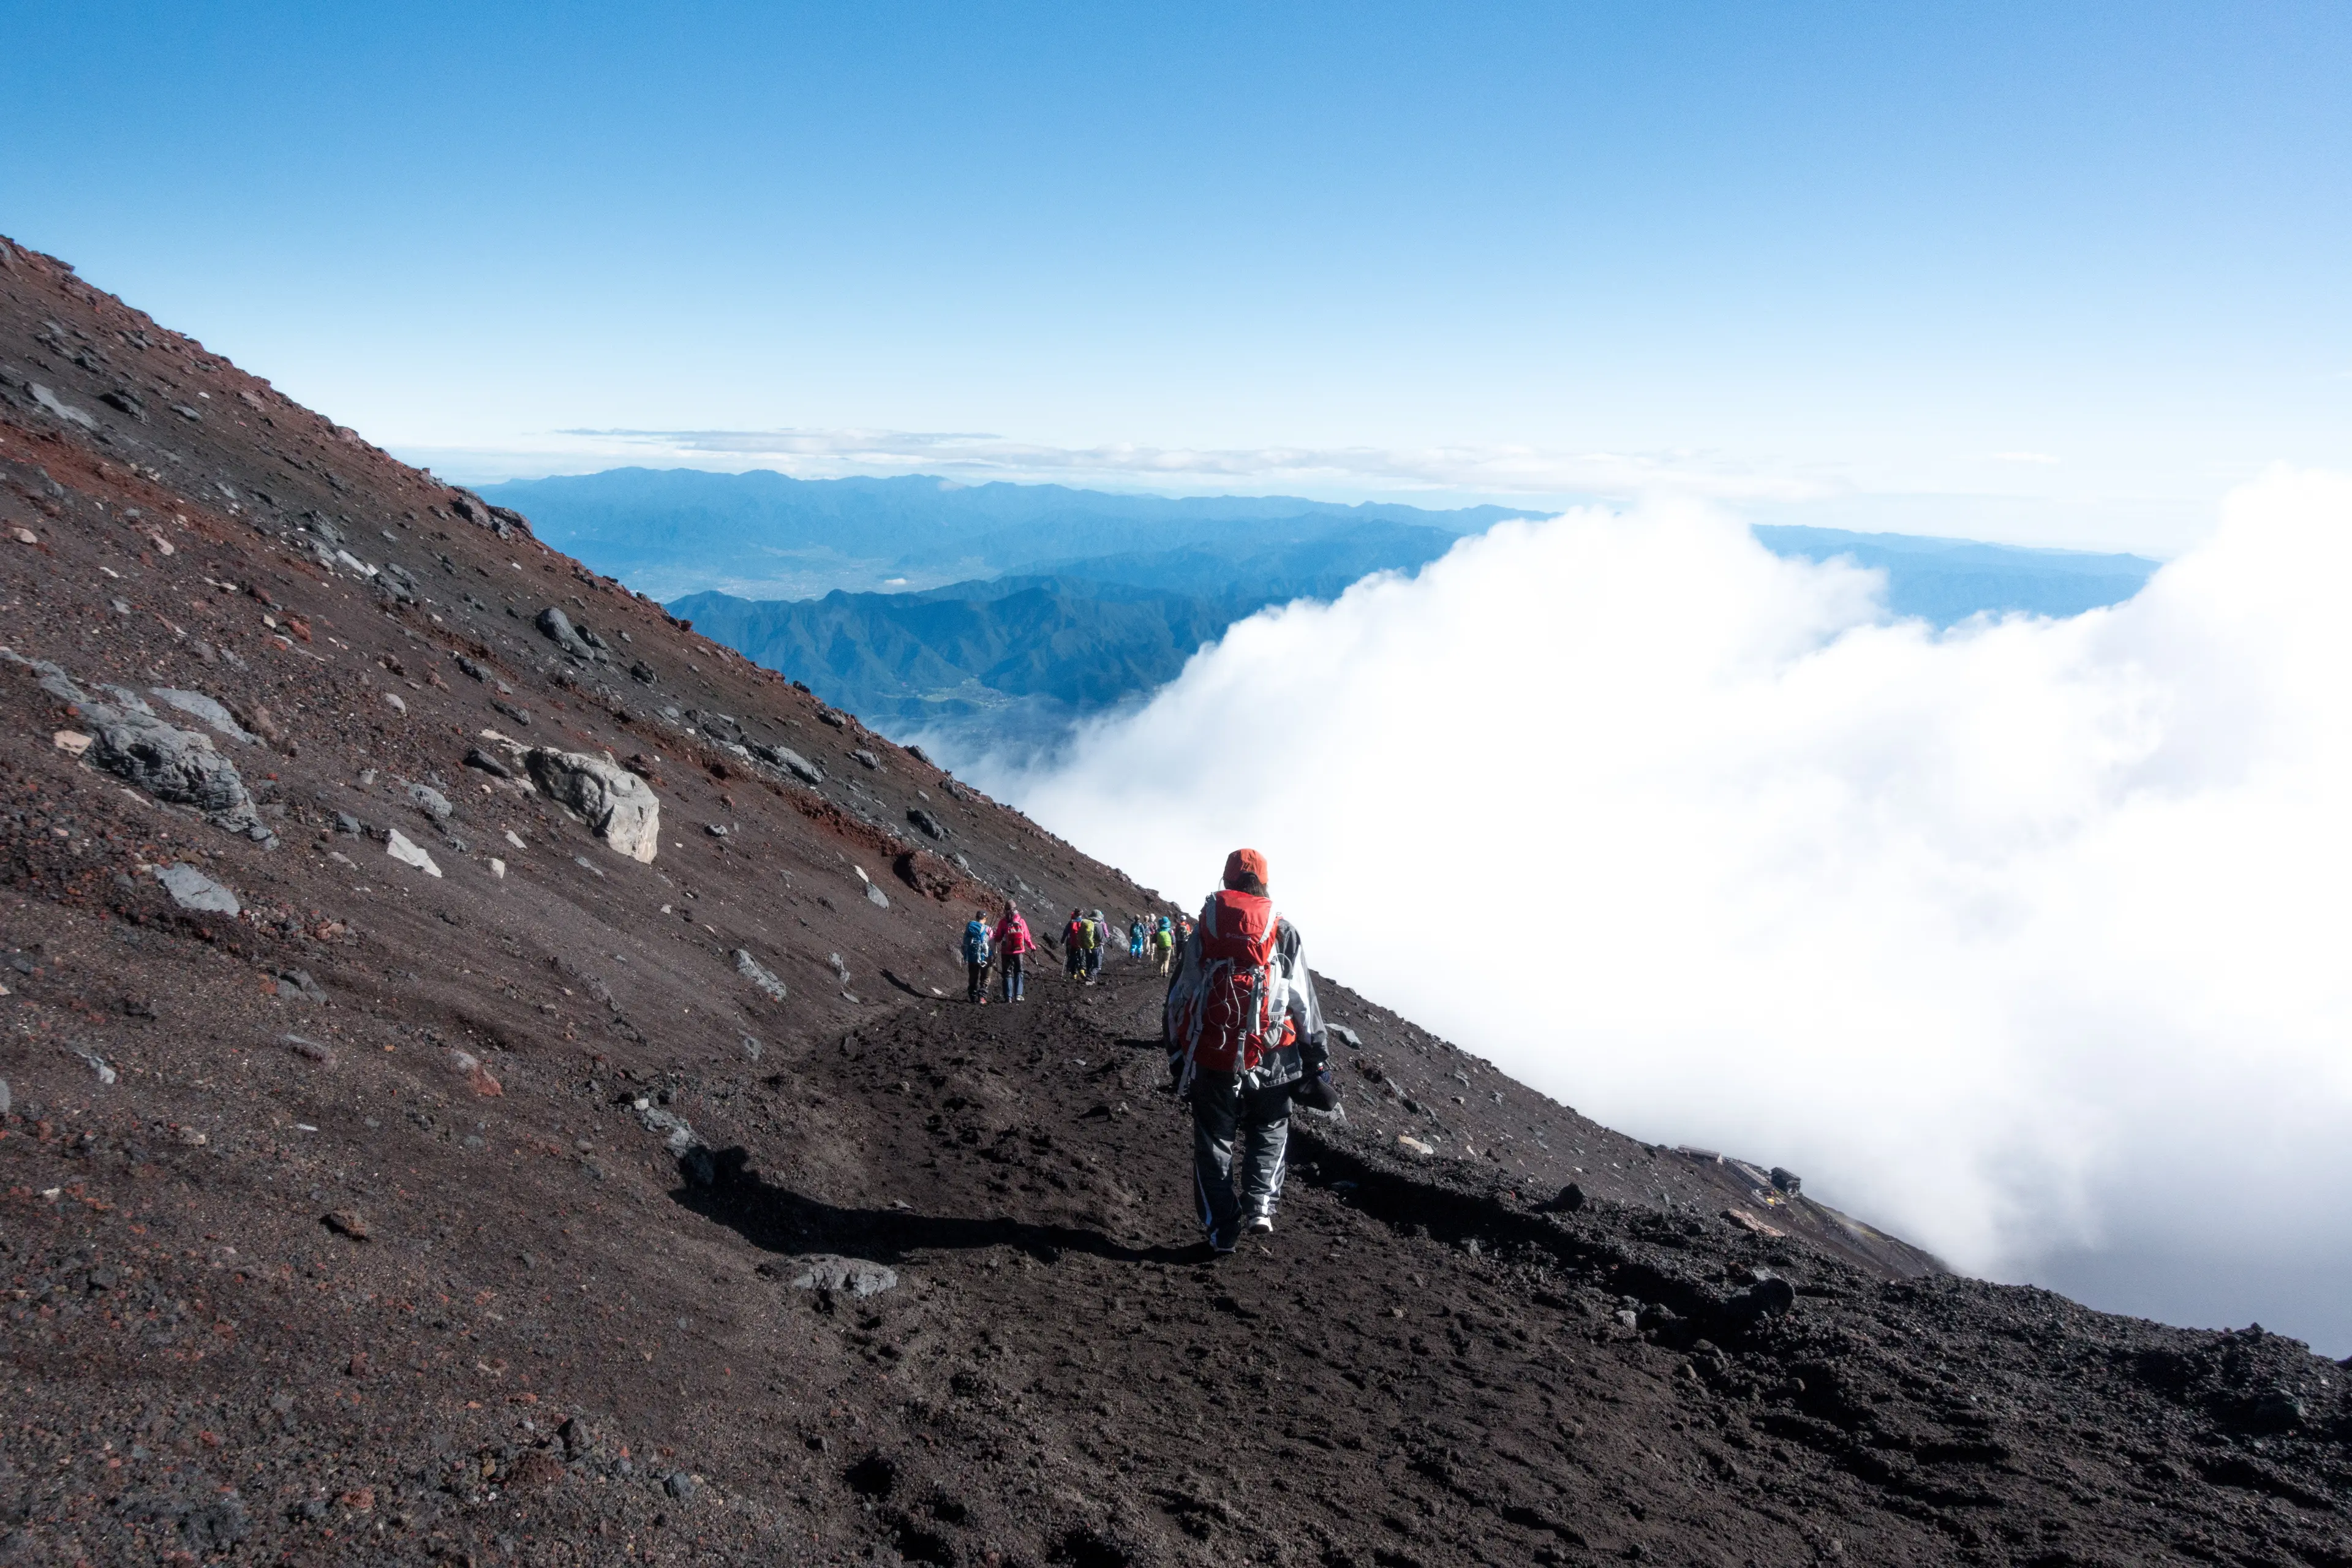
[2047,276]
[2023,939]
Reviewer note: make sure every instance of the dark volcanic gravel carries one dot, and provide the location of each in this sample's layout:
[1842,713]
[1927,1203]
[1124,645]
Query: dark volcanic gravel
[508,1215]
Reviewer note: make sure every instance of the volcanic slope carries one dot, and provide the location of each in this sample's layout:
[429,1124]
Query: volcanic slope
[534,1206]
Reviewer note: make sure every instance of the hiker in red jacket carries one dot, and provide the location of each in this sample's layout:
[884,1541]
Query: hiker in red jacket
[1245,1038]
[1011,941]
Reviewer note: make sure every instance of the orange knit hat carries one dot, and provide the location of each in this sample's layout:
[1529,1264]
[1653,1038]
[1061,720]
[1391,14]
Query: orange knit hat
[1244,864]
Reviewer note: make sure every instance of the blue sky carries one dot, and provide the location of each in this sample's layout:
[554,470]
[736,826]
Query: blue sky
[2058,274]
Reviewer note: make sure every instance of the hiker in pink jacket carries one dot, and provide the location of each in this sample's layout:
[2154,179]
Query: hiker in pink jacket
[1012,940]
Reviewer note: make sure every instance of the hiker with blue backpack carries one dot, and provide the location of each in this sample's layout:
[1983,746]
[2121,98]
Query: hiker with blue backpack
[1135,937]
[975,958]
[1245,1039]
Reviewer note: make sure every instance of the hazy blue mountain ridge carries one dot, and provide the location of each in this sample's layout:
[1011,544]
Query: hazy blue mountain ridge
[1944,581]
[667,531]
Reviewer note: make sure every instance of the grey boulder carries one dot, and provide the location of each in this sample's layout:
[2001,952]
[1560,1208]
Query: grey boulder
[192,889]
[430,801]
[850,1276]
[758,974]
[557,627]
[791,762]
[173,764]
[619,805]
[197,705]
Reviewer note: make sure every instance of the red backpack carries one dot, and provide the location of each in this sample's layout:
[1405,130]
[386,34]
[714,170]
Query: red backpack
[1230,1008]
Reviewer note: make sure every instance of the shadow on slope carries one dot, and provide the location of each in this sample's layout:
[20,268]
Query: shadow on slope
[777,1219]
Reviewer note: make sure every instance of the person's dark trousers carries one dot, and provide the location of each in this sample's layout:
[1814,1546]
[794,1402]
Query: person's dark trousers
[978,987]
[1093,962]
[1077,961]
[1009,967]
[1259,1119]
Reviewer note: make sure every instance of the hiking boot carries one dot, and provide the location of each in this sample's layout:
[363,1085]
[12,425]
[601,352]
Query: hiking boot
[1260,1225]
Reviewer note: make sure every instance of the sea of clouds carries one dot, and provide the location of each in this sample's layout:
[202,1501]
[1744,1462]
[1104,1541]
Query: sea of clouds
[2031,940]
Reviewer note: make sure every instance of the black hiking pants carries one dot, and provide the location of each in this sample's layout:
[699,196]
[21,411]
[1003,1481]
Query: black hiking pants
[976,986]
[1225,1114]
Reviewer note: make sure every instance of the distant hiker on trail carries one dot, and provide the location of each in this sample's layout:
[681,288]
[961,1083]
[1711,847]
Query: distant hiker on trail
[1074,945]
[975,957]
[1163,942]
[1135,937]
[1245,1038]
[1012,940]
[1098,945]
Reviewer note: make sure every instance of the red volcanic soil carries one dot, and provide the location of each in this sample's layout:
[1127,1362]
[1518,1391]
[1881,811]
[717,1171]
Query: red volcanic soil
[532,1211]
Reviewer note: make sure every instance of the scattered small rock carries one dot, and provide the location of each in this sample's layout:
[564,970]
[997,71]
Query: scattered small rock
[299,985]
[431,802]
[477,1076]
[679,1485]
[758,974]
[1569,1199]
[192,889]
[345,1222]
[396,845]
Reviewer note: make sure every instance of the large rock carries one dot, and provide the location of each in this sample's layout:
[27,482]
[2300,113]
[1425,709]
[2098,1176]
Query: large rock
[619,805]
[791,762]
[173,764]
[851,1276]
[192,889]
[557,627]
[197,705]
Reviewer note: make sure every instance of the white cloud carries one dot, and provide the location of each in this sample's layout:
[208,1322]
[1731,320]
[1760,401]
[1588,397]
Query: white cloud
[2018,939]
[2032,460]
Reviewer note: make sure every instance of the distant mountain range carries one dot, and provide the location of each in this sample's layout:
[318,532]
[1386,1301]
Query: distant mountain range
[1017,610]
[767,535]
[1944,581]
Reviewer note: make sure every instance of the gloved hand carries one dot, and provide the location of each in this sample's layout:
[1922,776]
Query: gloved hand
[1317,1093]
